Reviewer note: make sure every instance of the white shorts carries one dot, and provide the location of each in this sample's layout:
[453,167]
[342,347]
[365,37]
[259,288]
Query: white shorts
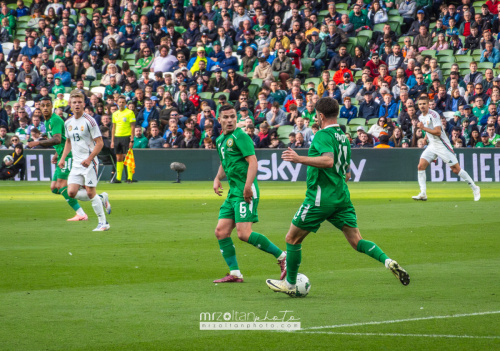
[432,152]
[84,176]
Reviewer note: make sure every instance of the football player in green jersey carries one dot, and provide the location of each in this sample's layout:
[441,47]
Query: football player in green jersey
[327,198]
[239,165]
[54,125]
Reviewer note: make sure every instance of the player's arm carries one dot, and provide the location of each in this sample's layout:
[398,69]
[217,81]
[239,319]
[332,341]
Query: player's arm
[217,181]
[97,148]
[55,140]
[132,132]
[436,131]
[251,174]
[67,149]
[113,128]
[348,174]
[323,161]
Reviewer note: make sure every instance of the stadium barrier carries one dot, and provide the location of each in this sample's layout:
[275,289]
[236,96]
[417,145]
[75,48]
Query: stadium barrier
[366,165]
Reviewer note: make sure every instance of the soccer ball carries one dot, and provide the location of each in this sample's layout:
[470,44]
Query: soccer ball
[302,286]
[8,159]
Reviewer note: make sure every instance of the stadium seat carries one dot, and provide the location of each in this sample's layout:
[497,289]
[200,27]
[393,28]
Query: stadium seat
[463,58]
[342,121]
[216,95]
[315,80]
[463,65]
[180,30]
[445,53]
[341,6]
[285,130]
[257,81]
[206,95]
[358,121]
[145,10]
[443,59]
[393,12]
[428,53]
[306,66]
[379,27]
[252,90]
[484,65]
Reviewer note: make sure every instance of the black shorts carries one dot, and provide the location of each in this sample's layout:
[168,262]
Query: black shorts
[121,145]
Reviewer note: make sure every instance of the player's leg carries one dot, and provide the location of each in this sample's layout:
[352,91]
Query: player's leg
[223,234]
[427,157]
[82,195]
[294,239]
[62,188]
[450,159]
[90,186]
[246,215]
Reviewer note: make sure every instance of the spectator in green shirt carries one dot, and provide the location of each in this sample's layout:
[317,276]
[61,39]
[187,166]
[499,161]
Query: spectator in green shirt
[112,88]
[58,88]
[485,141]
[140,141]
[358,19]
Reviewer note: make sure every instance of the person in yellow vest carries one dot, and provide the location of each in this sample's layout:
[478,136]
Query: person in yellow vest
[122,136]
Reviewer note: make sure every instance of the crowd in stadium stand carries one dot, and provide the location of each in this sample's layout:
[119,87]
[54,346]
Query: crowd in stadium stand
[177,61]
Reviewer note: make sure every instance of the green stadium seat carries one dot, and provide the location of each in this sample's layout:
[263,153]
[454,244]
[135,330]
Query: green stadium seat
[445,53]
[315,80]
[428,53]
[180,30]
[342,121]
[306,65]
[257,81]
[442,59]
[358,122]
[206,95]
[216,95]
[463,58]
[285,130]
[484,65]
[252,90]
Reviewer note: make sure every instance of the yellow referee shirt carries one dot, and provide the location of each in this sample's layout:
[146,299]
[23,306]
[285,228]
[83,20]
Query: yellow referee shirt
[123,119]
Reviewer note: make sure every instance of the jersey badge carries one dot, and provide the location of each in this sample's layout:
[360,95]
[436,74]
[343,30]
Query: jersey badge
[81,128]
[230,142]
[124,119]
[70,127]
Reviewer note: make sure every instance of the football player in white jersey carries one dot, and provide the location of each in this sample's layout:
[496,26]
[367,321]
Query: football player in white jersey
[83,139]
[439,146]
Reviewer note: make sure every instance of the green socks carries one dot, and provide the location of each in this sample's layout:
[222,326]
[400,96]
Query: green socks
[371,249]
[229,253]
[293,258]
[72,202]
[261,242]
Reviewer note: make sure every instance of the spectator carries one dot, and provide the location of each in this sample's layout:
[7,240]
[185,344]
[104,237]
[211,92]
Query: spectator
[485,141]
[316,51]
[301,128]
[348,110]
[490,54]
[368,109]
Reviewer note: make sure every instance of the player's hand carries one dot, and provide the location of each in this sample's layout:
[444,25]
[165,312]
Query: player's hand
[290,155]
[218,187]
[54,159]
[86,163]
[420,125]
[248,193]
[61,164]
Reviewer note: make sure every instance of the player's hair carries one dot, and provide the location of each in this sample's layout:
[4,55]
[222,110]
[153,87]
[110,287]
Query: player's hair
[226,108]
[77,95]
[423,98]
[328,106]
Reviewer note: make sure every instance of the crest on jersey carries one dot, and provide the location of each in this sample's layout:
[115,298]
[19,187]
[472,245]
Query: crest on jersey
[69,128]
[81,128]
[230,142]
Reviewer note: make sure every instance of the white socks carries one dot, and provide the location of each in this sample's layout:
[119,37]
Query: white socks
[422,177]
[387,263]
[282,256]
[236,273]
[466,178]
[98,209]
[80,212]
[81,195]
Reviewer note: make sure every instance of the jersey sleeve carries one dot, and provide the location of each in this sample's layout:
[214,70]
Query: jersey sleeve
[323,142]
[245,144]
[132,116]
[57,126]
[114,118]
[95,132]
[66,131]
[435,120]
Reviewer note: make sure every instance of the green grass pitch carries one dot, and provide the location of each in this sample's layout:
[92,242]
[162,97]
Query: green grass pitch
[143,284]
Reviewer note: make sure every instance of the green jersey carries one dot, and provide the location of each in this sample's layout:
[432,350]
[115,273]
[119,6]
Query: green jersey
[55,125]
[232,149]
[327,186]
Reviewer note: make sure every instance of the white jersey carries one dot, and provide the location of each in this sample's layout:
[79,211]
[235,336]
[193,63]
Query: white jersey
[81,132]
[431,121]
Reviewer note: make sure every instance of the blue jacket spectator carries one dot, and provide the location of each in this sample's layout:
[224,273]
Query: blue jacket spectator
[31,49]
[147,114]
[349,113]
[25,11]
[65,78]
[368,109]
[229,62]
[490,54]
[388,110]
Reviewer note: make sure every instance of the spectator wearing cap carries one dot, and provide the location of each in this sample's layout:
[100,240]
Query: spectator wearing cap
[348,88]
[219,83]
[248,40]
[264,71]
[348,110]
[316,51]
[415,26]
[229,61]
[194,63]
[338,77]
[384,141]
[490,54]
[283,66]
[485,141]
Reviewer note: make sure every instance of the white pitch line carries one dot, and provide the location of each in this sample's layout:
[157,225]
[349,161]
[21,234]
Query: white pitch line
[410,335]
[403,320]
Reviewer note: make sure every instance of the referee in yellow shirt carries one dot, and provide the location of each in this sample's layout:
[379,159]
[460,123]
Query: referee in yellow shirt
[122,136]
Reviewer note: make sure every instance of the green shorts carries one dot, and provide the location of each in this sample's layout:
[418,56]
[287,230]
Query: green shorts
[62,173]
[240,211]
[310,217]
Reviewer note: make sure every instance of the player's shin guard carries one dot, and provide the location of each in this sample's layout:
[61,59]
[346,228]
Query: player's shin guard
[263,243]
[119,170]
[466,178]
[371,249]
[82,195]
[98,209]
[422,178]
[293,259]
[229,253]
[72,202]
